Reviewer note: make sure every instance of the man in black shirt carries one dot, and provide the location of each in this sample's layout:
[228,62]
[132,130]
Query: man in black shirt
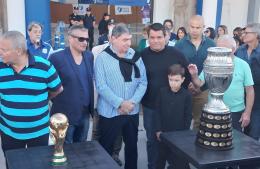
[102,26]
[173,112]
[74,18]
[89,23]
[157,58]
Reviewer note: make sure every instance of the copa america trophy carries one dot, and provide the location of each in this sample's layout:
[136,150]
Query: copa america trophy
[58,127]
[215,130]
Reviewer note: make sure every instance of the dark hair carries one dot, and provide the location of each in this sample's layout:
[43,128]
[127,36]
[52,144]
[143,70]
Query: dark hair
[183,30]
[176,69]
[76,27]
[168,20]
[156,27]
[119,30]
[212,33]
[238,40]
[34,24]
[237,29]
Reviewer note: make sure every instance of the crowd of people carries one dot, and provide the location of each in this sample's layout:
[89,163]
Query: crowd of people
[111,81]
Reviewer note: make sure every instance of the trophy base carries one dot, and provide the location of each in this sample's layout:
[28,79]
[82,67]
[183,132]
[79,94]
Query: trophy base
[59,161]
[215,131]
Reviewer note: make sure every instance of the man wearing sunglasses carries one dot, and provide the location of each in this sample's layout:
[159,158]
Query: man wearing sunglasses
[75,67]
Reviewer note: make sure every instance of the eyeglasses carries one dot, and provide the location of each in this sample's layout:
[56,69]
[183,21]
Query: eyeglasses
[80,39]
[245,33]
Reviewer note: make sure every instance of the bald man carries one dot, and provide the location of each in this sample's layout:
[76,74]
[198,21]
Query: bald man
[194,47]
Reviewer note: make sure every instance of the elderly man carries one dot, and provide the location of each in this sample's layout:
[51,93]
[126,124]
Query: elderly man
[75,67]
[121,83]
[27,83]
[250,52]
[241,87]
[35,44]
[194,47]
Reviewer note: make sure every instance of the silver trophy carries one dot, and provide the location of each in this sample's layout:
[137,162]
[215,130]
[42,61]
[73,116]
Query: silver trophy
[215,131]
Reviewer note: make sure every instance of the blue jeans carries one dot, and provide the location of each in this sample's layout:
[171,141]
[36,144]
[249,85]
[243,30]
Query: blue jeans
[151,144]
[79,132]
[254,126]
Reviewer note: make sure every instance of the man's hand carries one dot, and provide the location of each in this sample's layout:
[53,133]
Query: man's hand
[245,119]
[158,133]
[126,107]
[193,70]
[194,90]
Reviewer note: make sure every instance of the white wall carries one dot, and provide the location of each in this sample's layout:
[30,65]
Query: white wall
[16,15]
[234,13]
[209,12]
[163,9]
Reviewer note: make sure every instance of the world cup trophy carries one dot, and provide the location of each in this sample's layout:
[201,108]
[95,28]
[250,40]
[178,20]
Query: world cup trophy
[58,128]
[215,130]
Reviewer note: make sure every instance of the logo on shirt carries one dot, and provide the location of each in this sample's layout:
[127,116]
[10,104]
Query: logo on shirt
[44,50]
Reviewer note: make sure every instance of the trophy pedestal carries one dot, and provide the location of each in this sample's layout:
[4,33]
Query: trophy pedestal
[215,131]
[59,160]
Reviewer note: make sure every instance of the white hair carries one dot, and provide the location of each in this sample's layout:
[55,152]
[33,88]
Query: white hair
[228,40]
[17,39]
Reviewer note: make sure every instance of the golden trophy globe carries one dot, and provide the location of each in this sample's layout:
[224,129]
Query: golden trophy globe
[58,128]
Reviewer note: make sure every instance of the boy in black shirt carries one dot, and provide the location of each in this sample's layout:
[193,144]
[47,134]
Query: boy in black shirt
[173,113]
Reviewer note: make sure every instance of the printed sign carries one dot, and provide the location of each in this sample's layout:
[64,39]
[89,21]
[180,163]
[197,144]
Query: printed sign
[123,10]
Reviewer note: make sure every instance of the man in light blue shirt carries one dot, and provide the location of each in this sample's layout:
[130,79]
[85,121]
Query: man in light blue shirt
[239,96]
[121,83]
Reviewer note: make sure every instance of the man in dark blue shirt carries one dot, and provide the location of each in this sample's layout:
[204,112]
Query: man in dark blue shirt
[194,47]
[104,38]
[75,67]
[35,44]
[250,52]
[89,23]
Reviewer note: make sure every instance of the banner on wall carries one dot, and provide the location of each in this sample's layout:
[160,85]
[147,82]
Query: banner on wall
[123,10]
[145,12]
[82,8]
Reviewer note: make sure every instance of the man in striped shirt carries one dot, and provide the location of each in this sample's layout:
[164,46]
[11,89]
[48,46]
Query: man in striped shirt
[121,83]
[26,85]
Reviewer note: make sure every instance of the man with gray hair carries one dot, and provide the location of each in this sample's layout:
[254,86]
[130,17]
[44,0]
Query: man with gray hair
[239,97]
[27,83]
[35,44]
[75,67]
[121,83]
[250,52]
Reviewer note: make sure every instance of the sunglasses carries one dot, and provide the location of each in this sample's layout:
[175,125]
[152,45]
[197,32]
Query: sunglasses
[80,39]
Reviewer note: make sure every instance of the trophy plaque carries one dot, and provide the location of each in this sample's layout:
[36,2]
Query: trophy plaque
[58,127]
[215,130]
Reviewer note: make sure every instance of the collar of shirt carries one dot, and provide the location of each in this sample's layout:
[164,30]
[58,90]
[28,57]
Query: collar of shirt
[128,55]
[31,45]
[203,38]
[31,60]
[255,53]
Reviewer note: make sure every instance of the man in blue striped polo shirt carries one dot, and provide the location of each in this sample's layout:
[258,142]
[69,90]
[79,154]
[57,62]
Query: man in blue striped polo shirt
[121,83]
[26,85]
